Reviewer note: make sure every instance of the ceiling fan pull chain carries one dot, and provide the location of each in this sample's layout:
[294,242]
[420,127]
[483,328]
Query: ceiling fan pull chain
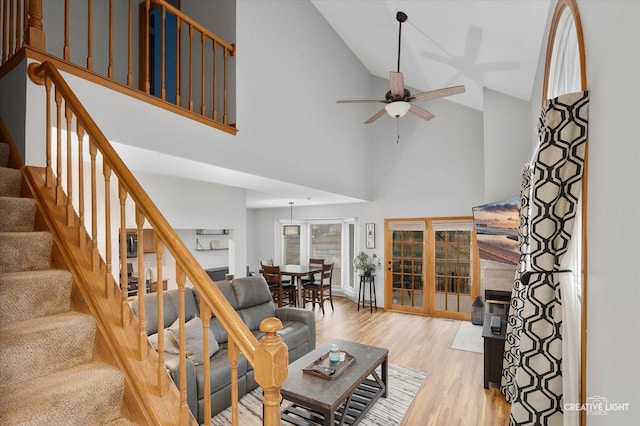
[398,130]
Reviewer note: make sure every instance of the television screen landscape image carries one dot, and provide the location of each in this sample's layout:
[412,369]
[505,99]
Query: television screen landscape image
[496,227]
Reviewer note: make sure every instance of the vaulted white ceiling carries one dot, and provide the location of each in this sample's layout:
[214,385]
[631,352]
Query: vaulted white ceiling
[482,43]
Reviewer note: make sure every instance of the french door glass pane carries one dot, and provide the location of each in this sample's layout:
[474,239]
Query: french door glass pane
[452,271]
[406,268]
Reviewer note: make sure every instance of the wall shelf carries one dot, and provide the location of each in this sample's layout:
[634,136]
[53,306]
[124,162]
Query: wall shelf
[212,232]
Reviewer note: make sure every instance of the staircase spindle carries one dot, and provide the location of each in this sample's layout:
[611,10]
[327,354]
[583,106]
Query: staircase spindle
[214,110]
[142,285]
[184,408]
[124,272]
[95,255]
[190,67]
[59,190]
[205,316]
[162,371]
[70,213]
[66,54]
[224,98]
[12,47]
[90,35]
[82,242]
[130,46]
[233,355]
[5,31]
[178,38]
[163,91]
[106,172]
[19,36]
[145,48]
[202,75]
[110,68]
[48,167]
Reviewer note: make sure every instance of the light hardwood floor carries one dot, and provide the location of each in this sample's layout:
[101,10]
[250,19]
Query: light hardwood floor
[453,393]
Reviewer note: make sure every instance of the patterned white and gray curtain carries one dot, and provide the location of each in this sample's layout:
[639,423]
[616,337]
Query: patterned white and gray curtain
[535,354]
[514,324]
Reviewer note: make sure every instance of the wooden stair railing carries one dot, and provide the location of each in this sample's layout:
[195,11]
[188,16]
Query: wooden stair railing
[73,189]
[199,81]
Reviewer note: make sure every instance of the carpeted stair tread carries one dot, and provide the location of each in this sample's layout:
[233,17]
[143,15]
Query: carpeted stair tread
[33,294]
[4,154]
[18,214]
[87,394]
[38,346]
[10,182]
[25,251]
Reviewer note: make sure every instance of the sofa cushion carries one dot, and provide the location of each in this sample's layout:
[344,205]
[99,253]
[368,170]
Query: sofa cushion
[170,344]
[251,291]
[193,342]
[169,308]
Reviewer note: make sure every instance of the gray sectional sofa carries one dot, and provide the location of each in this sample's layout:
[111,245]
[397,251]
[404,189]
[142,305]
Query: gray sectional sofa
[251,298]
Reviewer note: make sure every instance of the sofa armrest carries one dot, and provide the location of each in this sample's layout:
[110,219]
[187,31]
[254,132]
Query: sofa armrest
[300,315]
[172,363]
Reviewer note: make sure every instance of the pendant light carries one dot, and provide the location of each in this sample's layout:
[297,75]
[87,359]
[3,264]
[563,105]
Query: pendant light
[291,230]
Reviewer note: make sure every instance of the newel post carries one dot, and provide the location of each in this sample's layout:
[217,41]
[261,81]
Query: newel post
[34,36]
[271,369]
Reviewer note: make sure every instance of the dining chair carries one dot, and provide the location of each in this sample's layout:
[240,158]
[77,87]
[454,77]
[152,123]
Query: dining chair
[313,263]
[269,262]
[320,290]
[279,289]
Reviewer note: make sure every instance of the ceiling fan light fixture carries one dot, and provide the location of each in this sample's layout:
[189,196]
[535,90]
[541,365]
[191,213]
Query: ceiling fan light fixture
[398,108]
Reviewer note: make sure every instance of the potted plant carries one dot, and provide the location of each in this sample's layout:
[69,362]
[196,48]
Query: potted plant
[366,263]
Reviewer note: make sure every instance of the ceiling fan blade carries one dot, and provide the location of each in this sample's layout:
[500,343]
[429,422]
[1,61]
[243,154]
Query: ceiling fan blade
[422,113]
[396,81]
[440,93]
[360,101]
[375,116]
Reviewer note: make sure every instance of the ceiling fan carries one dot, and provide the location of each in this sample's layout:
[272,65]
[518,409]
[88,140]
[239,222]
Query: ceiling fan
[399,99]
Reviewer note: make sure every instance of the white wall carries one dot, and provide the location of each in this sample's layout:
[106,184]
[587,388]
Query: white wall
[507,144]
[612,42]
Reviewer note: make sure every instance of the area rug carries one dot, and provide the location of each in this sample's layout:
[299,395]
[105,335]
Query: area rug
[468,338]
[404,384]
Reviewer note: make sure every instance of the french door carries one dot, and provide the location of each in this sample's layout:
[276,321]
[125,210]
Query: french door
[431,266]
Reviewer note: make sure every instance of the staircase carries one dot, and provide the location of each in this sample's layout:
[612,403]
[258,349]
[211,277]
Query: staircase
[48,374]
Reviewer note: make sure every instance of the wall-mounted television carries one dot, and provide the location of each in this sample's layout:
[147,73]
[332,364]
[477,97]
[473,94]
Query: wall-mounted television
[496,227]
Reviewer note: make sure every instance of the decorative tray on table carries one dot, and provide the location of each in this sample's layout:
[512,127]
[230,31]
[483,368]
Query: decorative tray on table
[322,368]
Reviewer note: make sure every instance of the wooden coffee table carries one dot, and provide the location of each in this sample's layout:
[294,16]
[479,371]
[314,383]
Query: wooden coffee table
[318,401]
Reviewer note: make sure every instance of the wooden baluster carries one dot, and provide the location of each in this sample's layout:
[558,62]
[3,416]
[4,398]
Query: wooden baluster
[66,53]
[184,412]
[205,316]
[19,37]
[95,255]
[82,242]
[271,360]
[190,67]
[106,171]
[5,30]
[35,37]
[214,112]
[130,47]
[233,355]
[25,23]
[110,68]
[124,272]
[12,42]
[142,287]
[90,35]
[202,79]
[147,19]
[178,39]
[48,168]
[162,371]
[59,190]
[163,35]
[69,210]
[224,98]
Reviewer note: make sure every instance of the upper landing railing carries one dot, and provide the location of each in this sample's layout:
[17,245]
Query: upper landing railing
[148,46]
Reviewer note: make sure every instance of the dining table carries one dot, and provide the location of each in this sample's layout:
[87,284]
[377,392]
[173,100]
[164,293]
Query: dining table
[297,272]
